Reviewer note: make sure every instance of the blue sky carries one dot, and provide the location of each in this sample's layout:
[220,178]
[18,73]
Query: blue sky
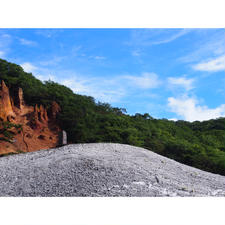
[168,73]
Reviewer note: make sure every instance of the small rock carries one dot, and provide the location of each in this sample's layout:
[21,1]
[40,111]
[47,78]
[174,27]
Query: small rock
[157,179]
[139,183]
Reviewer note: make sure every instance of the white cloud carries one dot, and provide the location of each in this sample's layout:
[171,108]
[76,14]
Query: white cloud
[109,89]
[173,119]
[77,85]
[48,33]
[189,109]
[75,50]
[147,37]
[39,72]
[104,90]
[211,43]
[183,82]
[214,65]
[5,42]
[6,36]
[172,37]
[46,77]
[136,53]
[27,42]
[52,60]
[145,81]
[28,67]
[98,57]
[2,54]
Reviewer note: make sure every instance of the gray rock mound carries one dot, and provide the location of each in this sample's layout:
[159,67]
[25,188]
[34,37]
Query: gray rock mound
[103,170]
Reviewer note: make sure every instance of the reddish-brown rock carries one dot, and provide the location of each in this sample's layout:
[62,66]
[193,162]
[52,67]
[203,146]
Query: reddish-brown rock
[55,109]
[41,114]
[45,115]
[39,131]
[21,100]
[36,123]
[6,111]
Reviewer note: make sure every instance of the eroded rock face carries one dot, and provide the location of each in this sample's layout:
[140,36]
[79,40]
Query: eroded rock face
[55,109]
[21,100]
[6,111]
[38,130]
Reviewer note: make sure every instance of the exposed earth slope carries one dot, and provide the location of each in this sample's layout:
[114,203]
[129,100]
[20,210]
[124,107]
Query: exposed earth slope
[26,128]
[103,169]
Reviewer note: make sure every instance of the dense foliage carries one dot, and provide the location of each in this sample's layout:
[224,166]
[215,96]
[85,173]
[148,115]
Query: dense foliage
[199,144]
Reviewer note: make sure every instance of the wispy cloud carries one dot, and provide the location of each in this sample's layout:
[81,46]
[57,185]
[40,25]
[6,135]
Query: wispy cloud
[5,36]
[28,67]
[136,53]
[5,42]
[110,89]
[40,73]
[172,37]
[189,109]
[213,65]
[149,37]
[27,42]
[79,51]
[76,84]
[104,90]
[75,50]
[52,60]
[2,54]
[144,81]
[48,33]
[182,82]
[211,45]
[46,77]
[173,119]
[98,57]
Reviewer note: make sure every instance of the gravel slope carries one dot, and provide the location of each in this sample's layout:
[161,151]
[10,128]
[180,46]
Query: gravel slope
[103,169]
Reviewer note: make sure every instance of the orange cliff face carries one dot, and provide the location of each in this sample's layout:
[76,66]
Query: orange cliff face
[39,127]
[6,110]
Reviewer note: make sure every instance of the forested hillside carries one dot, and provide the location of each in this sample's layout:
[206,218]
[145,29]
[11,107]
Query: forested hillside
[199,144]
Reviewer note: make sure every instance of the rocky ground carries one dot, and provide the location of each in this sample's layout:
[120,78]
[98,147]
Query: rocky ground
[103,169]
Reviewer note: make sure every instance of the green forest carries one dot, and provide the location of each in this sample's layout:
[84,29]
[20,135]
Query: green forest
[198,144]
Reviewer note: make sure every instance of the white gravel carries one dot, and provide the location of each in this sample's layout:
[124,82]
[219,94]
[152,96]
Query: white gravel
[103,169]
